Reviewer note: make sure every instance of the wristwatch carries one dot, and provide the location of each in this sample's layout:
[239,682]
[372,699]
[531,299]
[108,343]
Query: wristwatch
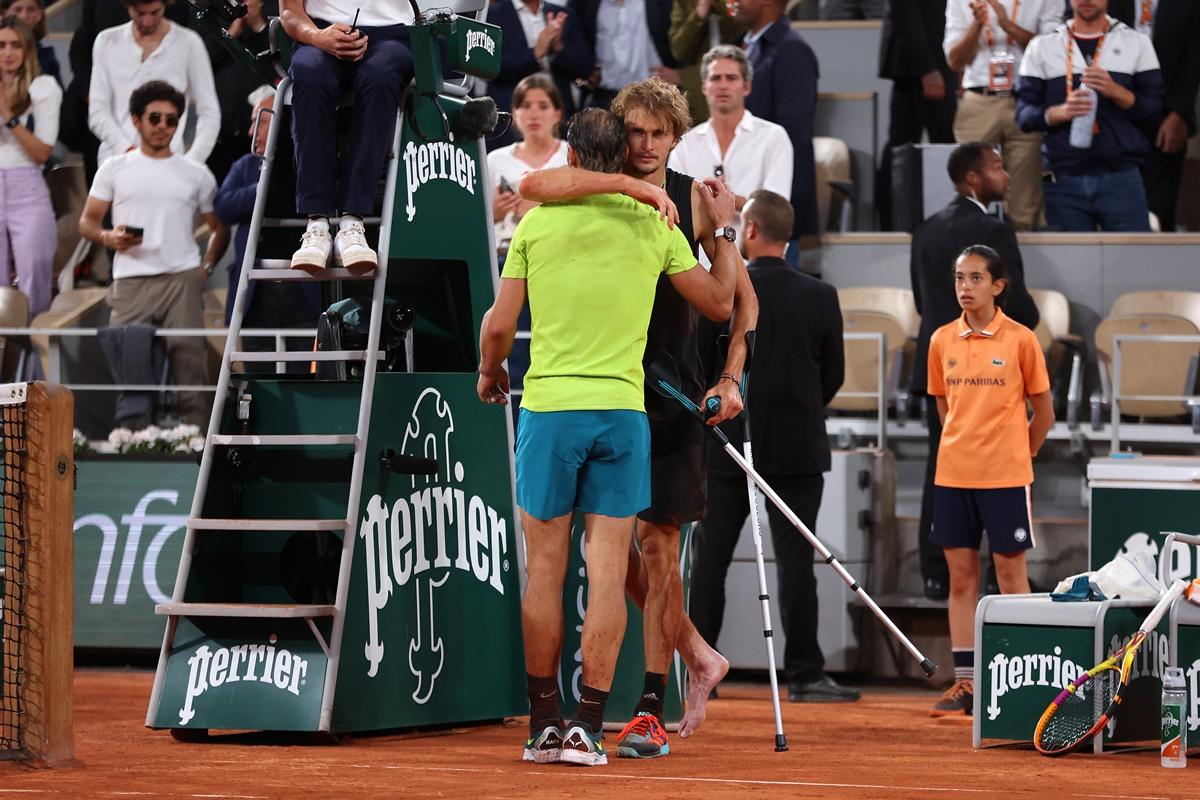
[208,269]
[12,123]
[728,233]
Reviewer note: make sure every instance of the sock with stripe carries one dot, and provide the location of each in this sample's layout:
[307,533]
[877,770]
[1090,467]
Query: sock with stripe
[964,664]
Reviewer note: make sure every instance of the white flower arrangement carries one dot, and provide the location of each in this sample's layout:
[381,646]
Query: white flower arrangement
[79,442]
[182,439]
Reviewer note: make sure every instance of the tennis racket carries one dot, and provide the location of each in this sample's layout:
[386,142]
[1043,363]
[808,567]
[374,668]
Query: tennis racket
[1092,700]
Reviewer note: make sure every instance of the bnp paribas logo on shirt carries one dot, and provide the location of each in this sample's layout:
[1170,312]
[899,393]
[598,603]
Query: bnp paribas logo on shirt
[435,161]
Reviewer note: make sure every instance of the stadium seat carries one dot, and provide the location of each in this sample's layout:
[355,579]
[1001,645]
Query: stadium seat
[1175,304]
[835,187]
[877,309]
[1064,352]
[14,350]
[1148,368]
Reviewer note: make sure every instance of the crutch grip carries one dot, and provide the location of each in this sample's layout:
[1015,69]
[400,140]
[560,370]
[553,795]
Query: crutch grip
[929,668]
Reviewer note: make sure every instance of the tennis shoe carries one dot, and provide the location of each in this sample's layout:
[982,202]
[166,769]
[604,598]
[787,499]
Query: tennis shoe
[957,701]
[350,249]
[581,746]
[643,737]
[545,746]
[315,246]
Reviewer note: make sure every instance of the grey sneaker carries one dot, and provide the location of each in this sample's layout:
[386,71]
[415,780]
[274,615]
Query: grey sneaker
[544,746]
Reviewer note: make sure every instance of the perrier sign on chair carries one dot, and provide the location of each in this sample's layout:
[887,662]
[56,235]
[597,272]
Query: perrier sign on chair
[350,561]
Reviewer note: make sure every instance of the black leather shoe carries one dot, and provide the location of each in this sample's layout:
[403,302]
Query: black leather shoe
[822,690]
[937,589]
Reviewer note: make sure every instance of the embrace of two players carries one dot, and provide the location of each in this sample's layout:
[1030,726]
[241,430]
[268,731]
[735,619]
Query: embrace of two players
[609,284]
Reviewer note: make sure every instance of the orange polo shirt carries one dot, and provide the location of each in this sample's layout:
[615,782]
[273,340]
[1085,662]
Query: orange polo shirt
[985,377]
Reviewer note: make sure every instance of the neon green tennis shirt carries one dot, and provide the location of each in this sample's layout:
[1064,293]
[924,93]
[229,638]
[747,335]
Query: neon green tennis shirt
[591,267]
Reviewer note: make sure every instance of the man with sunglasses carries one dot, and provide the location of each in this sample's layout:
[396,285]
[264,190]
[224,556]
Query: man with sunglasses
[156,197]
[745,152]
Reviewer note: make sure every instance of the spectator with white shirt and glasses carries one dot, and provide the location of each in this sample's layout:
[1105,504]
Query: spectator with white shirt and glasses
[745,152]
[985,40]
[156,197]
[150,48]
[1094,177]
[29,102]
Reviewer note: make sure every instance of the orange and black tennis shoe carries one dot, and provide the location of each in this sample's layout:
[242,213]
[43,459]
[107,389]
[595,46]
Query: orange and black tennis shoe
[643,737]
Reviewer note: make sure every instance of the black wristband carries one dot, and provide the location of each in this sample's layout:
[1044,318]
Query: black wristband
[12,123]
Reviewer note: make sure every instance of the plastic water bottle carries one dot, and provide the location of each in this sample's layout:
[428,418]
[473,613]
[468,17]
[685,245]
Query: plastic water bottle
[1082,127]
[1174,729]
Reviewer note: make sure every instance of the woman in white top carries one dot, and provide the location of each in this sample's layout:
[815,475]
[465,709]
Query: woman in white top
[29,104]
[537,113]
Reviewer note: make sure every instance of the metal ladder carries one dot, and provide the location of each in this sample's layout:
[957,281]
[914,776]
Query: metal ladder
[279,270]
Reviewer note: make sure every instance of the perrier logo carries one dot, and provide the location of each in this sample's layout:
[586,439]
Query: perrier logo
[480,39]
[435,161]
[426,536]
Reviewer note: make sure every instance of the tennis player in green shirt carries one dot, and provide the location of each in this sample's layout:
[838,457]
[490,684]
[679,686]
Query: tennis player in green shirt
[589,269]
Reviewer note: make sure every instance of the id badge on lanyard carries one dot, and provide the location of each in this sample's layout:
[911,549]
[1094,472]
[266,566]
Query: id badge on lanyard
[1002,70]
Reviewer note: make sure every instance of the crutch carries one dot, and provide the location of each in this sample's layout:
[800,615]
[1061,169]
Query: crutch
[664,378]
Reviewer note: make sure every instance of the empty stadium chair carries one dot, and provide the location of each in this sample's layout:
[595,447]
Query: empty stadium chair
[876,309]
[14,350]
[835,187]
[1064,352]
[1148,368]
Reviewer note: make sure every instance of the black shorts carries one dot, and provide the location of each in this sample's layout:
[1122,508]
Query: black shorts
[960,516]
[678,472]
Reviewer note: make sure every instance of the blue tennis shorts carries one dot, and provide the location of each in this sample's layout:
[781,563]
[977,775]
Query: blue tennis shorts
[596,461]
[960,516]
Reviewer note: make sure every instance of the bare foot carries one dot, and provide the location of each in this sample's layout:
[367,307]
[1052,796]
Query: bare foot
[704,672]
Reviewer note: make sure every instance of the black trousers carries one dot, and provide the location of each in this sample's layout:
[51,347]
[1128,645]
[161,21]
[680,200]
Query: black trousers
[912,116]
[933,560]
[1163,174]
[713,544]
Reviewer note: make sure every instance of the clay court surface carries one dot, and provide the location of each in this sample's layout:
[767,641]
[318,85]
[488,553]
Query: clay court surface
[882,747]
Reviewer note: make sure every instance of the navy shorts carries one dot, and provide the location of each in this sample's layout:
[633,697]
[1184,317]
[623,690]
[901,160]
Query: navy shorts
[960,516]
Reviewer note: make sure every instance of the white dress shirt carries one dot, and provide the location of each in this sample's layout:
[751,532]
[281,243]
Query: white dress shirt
[1035,16]
[1145,11]
[533,23]
[371,13]
[118,68]
[759,157]
[45,100]
[623,46]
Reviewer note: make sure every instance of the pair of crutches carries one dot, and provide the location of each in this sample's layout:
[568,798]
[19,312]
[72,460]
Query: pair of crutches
[663,377]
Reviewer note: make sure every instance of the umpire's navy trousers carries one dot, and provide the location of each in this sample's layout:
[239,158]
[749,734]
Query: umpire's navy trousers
[319,81]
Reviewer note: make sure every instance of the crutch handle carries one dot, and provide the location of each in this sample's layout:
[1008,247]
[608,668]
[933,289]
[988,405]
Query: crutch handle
[712,407]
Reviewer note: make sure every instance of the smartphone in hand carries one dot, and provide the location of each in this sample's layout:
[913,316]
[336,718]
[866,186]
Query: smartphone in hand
[505,186]
[134,231]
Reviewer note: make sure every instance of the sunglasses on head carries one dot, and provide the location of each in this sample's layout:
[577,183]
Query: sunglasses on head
[155,117]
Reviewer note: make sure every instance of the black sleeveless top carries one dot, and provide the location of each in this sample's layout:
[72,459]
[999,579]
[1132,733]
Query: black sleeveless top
[673,322]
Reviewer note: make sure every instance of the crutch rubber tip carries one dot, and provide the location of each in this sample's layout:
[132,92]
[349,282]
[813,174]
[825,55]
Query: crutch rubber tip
[929,667]
[780,743]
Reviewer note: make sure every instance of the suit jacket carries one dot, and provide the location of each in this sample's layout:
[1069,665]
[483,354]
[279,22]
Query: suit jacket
[935,246]
[1176,33]
[798,366]
[573,61]
[785,92]
[658,21]
[911,44]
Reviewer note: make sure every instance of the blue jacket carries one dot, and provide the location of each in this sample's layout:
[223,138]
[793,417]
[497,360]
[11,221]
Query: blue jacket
[48,62]
[234,205]
[784,91]
[574,60]
[1126,136]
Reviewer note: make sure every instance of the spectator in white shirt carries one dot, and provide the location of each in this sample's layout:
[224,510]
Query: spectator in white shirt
[744,151]
[156,196]
[28,102]
[985,40]
[537,113]
[149,48]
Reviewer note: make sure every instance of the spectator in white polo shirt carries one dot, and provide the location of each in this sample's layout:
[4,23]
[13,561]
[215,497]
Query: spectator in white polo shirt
[746,152]
[985,40]
[147,48]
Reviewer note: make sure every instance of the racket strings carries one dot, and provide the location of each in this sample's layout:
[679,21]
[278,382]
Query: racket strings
[1078,714]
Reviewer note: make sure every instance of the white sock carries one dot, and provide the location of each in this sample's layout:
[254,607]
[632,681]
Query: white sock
[347,221]
[318,224]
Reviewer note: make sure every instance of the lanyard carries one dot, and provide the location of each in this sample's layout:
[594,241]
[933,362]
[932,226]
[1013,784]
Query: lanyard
[1147,12]
[991,36]
[1070,76]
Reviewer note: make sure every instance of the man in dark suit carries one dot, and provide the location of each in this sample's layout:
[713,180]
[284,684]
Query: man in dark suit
[977,171]
[796,370]
[559,48]
[610,78]
[1174,27]
[785,92]
[923,86]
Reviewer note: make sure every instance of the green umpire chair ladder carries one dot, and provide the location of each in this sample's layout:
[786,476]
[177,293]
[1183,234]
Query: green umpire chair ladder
[350,557]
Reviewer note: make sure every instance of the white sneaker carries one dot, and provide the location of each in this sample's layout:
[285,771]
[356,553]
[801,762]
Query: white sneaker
[315,246]
[350,249]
